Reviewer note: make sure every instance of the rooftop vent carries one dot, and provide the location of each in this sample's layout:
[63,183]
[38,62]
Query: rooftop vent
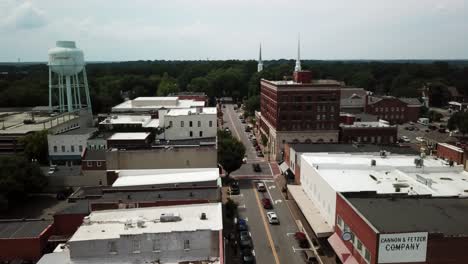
[418,162]
[170,218]
[203,216]
[128,224]
[373,162]
[140,223]
[86,220]
[383,154]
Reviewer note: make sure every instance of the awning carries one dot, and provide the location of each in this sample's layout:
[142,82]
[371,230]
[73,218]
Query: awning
[341,250]
[283,167]
[310,212]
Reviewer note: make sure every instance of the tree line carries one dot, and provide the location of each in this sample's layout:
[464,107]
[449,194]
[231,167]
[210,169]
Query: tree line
[110,83]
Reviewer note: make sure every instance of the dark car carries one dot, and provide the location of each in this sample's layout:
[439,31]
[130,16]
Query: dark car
[442,130]
[256,167]
[235,188]
[247,129]
[242,225]
[267,203]
[247,257]
[259,154]
[244,240]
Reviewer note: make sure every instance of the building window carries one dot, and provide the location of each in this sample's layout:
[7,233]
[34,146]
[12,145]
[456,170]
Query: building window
[309,98]
[170,123]
[339,221]
[181,123]
[318,117]
[201,133]
[63,148]
[191,134]
[190,123]
[136,246]
[112,247]
[186,244]
[332,108]
[98,164]
[318,108]
[358,245]
[89,163]
[367,255]
[332,117]
[156,245]
[80,148]
[72,148]
[55,148]
[199,123]
[211,123]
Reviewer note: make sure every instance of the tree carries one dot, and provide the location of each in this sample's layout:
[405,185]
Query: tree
[19,177]
[252,104]
[458,120]
[230,152]
[35,146]
[167,85]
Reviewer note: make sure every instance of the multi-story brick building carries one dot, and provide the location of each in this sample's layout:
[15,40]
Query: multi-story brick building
[393,109]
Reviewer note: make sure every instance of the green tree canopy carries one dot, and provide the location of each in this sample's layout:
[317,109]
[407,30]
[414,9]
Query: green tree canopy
[19,177]
[167,85]
[230,152]
[35,146]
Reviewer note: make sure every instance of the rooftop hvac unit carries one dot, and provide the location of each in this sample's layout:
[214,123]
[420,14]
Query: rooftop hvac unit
[170,217]
[140,223]
[418,162]
[373,162]
[86,220]
[203,216]
[383,153]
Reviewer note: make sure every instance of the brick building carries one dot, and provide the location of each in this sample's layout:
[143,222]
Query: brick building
[401,229]
[393,109]
[369,132]
[24,240]
[450,153]
[301,110]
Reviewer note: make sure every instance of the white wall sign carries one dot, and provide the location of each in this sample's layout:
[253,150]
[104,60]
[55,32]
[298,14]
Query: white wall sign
[403,247]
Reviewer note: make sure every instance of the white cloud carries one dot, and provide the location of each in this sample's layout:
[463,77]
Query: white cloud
[25,16]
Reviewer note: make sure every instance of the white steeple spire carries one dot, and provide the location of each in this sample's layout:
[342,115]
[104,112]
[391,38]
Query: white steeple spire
[260,62]
[298,60]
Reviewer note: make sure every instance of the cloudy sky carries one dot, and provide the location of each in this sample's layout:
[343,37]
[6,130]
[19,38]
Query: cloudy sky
[232,29]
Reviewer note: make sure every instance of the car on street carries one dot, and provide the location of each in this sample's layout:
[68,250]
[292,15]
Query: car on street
[234,188]
[256,167]
[52,169]
[245,241]
[227,130]
[260,154]
[272,218]
[243,121]
[242,225]
[405,139]
[224,106]
[261,187]
[266,202]
[420,139]
[247,257]
[247,128]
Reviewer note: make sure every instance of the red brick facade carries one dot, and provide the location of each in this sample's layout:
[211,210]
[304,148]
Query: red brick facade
[375,135]
[450,153]
[392,109]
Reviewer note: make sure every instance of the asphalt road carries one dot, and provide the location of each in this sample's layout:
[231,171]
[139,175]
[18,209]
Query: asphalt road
[425,132]
[273,244]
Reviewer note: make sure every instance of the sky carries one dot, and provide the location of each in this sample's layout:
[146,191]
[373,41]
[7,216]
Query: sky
[115,30]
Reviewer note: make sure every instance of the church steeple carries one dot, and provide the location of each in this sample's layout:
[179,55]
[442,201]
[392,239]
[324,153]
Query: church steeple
[260,62]
[298,59]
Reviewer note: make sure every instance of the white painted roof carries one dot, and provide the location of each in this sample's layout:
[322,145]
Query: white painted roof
[380,123]
[164,176]
[130,136]
[155,103]
[191,111]
[352,173]
[126,119]
[110,224]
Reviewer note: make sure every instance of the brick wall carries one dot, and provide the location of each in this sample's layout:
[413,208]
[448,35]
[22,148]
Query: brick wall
[67,224]
[387,135]
[450,154]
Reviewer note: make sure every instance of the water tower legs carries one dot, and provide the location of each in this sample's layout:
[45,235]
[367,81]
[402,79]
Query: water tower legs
[69,94]
[50,90]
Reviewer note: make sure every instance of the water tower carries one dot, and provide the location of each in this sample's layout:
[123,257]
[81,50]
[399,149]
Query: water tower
[67,78]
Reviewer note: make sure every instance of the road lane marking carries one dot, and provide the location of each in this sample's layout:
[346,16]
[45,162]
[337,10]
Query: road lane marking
[234,127]
[270,240]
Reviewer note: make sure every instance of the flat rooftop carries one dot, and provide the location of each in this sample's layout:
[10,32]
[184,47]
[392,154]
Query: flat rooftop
[79,131]
[411,214]
[12,123]
[143,120]
[127,178]
[349,148]
[318,82]
[130,136]
[379,124]
[209,141]
[111,224]
[391,174]
[22,229]
[192,111]
[155,103]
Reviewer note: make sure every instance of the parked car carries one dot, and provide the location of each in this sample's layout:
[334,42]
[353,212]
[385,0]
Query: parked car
[247,257]
[442,130]
[242,225]
[301,238]
[405,139]
[260,154]
[227,130]
[234,188]
[420,139]
[261,187]
[244,240]
[243,121]
[247,129]
[256,167]
[272,218]
[244,160]
[266,202]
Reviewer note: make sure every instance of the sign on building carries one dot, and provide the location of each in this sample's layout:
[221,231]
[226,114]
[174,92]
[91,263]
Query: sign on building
[402,247]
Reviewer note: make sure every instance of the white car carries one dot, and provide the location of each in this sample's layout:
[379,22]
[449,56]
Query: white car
[272,218]
[405,139]
[420,139]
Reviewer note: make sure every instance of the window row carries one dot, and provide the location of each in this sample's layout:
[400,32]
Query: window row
[190,123]
[90,163]
[355,241]
[391,117]
[72,148]
[136,246]
[200,134]
[392,109]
